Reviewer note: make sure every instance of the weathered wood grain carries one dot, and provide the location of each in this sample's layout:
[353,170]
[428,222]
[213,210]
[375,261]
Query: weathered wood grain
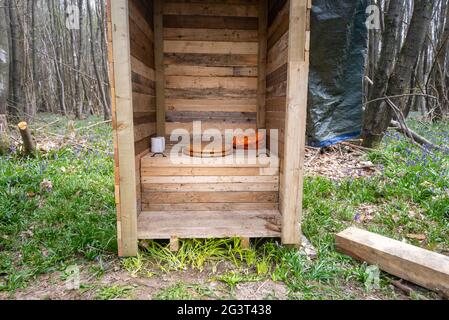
[295,125]
[186,34]
[207,224]
[414,264]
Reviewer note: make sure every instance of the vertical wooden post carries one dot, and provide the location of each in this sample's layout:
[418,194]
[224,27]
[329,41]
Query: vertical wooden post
[295,126]
[246,243]
[174,244]
[121,89]
[159,66]
[262,70]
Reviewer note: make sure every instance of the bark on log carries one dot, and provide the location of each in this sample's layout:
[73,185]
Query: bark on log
[416,137]
[4,136]
[29,146]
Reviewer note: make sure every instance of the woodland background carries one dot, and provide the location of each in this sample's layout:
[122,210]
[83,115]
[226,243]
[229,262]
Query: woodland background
[47,67]
[57,206]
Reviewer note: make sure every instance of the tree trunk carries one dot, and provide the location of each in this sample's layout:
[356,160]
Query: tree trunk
[441,70]
[106,109]
[17,90]
[378,116]
[79,90]
[419,102]
[4,135]
[4,57]
[388,55]
[54,39]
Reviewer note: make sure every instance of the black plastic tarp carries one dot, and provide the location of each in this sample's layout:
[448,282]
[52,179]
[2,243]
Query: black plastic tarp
[339,41]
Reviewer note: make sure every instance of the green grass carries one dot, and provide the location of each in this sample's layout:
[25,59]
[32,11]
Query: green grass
[182,291]
[410,197]
[44,231]
[114,292]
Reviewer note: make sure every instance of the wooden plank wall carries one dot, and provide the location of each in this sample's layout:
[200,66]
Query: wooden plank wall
[141,28]
[211,51]
[277,58]
[142,64]
[208,187]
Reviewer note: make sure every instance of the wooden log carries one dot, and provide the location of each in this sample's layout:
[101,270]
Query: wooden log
[4,136]
[29,146]
[408,133]
[425,268]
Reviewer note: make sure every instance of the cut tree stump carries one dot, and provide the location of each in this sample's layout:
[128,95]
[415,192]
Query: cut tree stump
[4,135]
[422,267]
[29,146]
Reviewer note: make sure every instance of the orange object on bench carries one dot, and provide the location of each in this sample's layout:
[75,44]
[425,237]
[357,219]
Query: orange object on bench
[249,142]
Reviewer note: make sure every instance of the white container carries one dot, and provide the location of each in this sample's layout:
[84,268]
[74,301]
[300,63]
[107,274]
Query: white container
[158,145]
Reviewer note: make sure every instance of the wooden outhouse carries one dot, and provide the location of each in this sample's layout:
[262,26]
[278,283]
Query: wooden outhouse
[230,64]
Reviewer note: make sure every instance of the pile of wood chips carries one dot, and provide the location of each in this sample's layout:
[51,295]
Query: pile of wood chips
[345,160]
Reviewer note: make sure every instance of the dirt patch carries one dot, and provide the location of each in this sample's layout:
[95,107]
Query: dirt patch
[202,285]
[267,290]
[340,162]
[366,213]
[54,287]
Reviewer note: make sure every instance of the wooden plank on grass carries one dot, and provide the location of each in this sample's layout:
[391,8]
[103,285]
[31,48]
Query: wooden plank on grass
[414,264]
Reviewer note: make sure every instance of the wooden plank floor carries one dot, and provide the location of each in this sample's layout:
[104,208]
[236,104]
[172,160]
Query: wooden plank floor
[209,224]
